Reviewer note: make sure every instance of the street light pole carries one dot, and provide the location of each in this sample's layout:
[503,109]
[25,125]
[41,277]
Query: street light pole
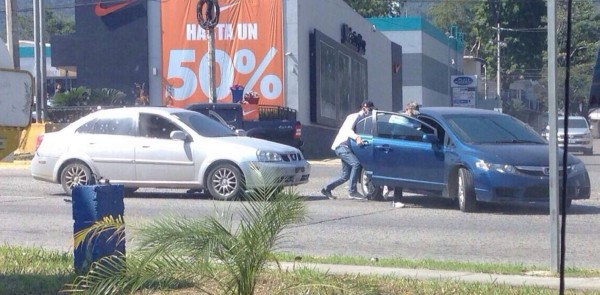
[498,61]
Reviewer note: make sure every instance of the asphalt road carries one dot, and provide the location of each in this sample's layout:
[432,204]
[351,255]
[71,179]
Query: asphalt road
[35,213]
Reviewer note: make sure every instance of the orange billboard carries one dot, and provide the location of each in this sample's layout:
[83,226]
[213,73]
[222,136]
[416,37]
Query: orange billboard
[248,52]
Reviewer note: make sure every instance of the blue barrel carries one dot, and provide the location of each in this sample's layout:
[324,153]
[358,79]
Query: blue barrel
[91,203]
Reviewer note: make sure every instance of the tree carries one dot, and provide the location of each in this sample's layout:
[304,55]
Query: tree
[56,24]
[585,37]
[522,30]
[377,8]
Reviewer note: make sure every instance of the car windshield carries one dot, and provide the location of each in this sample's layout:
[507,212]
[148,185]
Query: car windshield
[573,123]
[482,129]
[204,125]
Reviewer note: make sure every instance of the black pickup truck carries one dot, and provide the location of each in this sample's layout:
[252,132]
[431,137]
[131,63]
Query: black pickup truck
[274,123]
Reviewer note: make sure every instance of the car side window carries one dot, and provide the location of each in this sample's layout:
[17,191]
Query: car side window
[396,126]
[365,126]
[108,126]
[155,126]
[113,126]
[441,133]
[87,127]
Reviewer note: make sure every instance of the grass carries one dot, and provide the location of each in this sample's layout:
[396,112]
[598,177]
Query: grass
[39,271]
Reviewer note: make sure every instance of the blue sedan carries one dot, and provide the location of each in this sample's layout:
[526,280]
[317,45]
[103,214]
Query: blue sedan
[470,155]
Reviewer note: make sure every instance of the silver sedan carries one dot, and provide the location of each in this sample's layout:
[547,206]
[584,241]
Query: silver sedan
[164,148]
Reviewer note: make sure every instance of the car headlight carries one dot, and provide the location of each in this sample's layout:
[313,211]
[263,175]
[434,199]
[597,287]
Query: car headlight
[268,156]
[502,168]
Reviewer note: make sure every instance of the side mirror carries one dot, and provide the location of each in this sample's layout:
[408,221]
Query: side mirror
[178,135]
[431,138]
[241,132]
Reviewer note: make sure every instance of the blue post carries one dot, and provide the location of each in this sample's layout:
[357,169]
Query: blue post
[91,203]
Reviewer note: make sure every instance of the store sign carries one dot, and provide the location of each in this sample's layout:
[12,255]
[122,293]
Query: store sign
[464,81]
[464,90]
[248,43]
[353,39]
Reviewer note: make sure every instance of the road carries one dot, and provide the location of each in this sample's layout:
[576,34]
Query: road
[35,213]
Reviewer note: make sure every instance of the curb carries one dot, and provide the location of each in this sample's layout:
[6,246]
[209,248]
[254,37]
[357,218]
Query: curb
[462,276]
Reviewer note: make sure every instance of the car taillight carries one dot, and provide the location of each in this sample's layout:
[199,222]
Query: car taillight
[297,130]
[38,141]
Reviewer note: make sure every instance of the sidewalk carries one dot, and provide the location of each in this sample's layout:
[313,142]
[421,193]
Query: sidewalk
[424,274]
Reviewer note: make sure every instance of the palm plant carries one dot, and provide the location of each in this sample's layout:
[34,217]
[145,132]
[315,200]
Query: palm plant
[78,96]
[206,252]
[107,96]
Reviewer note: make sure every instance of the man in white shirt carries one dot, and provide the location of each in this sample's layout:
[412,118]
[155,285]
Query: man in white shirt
[341,147]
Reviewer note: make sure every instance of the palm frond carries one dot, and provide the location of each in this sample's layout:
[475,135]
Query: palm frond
[108,224]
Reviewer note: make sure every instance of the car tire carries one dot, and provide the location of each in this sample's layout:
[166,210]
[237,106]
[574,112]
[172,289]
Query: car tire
[466,191]
[74,174]
[367,189]
[224,182]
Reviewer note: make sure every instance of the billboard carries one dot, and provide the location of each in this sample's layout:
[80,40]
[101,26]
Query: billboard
[248,51]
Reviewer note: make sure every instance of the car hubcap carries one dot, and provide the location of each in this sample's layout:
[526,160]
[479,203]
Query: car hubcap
[224,182]
[76,176]
[461,191]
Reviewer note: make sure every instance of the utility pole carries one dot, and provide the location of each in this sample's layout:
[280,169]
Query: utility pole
[40,59]
[552,138]
[498,61]
[208,18]
[12,39]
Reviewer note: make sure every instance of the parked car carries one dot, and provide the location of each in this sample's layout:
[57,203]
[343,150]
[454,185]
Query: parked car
[579,132]
[274,123]
[467,154]
[163,148]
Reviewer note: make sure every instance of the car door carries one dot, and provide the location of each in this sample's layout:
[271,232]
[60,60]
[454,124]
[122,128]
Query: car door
[401,155]
[108,142]
[158,158]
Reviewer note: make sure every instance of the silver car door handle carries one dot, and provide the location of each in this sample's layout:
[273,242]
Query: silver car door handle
[385,148]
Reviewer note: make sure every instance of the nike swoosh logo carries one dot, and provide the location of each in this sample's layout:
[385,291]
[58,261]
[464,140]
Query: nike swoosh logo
[226,7]
[100,10]
[248,112]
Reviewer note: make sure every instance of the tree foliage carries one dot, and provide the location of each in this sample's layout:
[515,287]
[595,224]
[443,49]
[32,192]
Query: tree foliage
[585,37]
[56,25]
[377,8]
[524,32]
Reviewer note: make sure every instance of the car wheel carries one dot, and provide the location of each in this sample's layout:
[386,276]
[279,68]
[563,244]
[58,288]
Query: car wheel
[368,189]
[466,191]
[224,182]
[74,174]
